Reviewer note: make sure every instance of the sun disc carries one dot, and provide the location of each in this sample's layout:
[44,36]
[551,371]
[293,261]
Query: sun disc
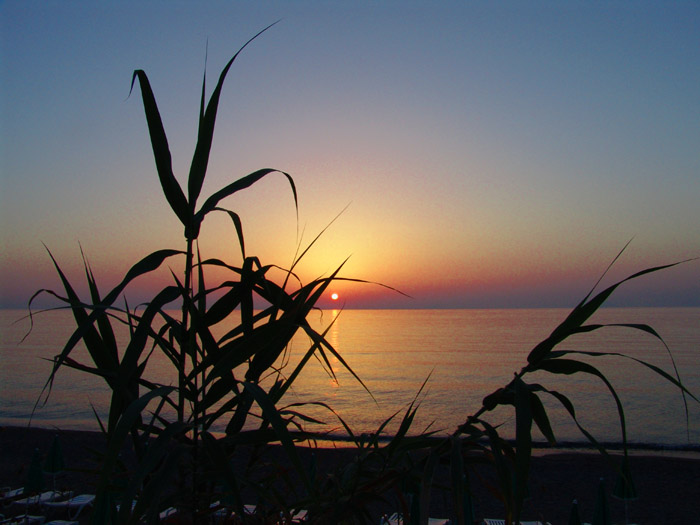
[334,296]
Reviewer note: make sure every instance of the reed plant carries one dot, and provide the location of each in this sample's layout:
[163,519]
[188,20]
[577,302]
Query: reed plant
[511,460]
[238,381]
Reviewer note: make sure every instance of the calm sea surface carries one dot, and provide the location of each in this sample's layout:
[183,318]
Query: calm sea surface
[467,354]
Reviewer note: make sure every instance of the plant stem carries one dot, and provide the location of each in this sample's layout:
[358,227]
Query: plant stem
[184,341]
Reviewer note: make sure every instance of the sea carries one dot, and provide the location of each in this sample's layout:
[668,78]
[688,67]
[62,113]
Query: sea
[442,361]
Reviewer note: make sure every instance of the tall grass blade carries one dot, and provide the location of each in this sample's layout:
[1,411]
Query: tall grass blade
[298,258]
[610,265]
[103,324]
[407,420]
[129,363]
[105,361]
[582,313]
[161,151]
[316,344]
[205,135]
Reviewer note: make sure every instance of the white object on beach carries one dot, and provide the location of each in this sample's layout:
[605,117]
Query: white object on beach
[77,502]
[43,498]
[397,519]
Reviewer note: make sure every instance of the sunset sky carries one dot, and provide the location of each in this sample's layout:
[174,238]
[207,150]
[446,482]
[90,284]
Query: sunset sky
[488,155]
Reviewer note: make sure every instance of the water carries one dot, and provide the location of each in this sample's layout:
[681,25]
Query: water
[466,354]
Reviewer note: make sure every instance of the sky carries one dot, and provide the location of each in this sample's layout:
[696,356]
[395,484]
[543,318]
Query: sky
[475,154]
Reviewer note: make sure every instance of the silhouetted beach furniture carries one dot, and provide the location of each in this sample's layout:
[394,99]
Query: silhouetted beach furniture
[574,517]
[488,521]
[43,498]
[397,519]
[299,516]
[24,519]
[34,484]
[163,515]
[8,494]
[224,513]
[601,512]
[54,463]
[8,497]
[77,503]
[13,499]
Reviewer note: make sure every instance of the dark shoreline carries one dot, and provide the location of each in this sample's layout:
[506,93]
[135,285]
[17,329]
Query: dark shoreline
[667,479]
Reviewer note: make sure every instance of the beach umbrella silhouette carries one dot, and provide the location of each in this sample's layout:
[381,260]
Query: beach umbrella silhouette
[54,460]
[35,476]
[601,513]
[35,479]
[574,517]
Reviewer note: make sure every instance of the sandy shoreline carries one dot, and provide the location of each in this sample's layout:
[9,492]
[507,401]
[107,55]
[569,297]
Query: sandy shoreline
[668,482]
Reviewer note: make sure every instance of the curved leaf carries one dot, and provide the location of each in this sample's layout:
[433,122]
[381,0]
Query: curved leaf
[239,228]
[656,369]
[146,265]
[581,313]
[161,150]
[570,366]
[232,188]
[539,415]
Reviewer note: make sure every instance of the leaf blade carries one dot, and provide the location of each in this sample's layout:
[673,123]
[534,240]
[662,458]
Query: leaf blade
[161,150]
[205,134]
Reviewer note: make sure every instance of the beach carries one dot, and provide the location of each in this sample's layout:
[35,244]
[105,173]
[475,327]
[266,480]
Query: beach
[667,482]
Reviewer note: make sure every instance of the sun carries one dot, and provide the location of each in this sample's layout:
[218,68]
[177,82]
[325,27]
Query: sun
[334,296]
